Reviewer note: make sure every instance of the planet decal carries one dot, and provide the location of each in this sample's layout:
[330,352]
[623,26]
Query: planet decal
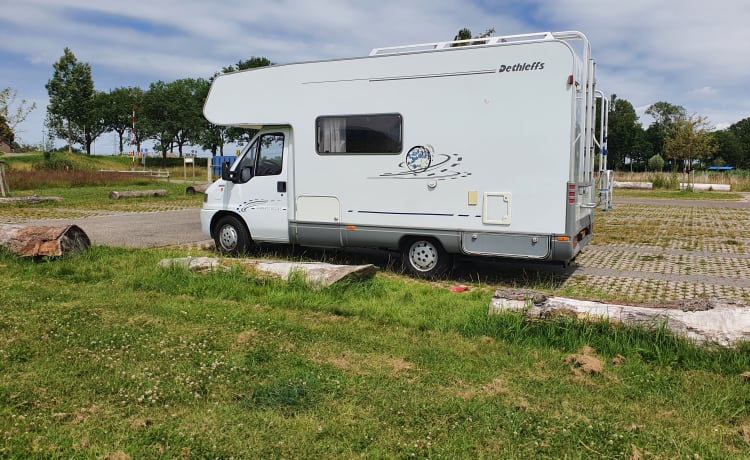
[418,159]
[421,162]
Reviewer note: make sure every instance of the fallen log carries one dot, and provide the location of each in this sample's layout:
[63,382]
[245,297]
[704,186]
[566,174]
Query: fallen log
[29,199]
[722,322]
[633,185]
[199,188]
[315,273]
[43,241]
[706,187]
[114,195]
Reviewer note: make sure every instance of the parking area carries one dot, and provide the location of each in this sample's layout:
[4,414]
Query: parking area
[658,250]
[644,250]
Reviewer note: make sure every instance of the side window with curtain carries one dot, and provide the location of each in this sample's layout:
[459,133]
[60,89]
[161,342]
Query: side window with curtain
[362,134]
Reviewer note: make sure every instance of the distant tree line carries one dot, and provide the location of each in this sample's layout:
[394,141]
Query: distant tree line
[168,113]
[679,140]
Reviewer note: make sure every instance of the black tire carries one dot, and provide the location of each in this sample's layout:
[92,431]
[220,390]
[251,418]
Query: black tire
[425,257]
[231,236]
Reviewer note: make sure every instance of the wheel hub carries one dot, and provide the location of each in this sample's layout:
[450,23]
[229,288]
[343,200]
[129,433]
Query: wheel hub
[423,255]
[228,237]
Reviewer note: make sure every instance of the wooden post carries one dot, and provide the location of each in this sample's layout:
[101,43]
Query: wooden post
[3,183]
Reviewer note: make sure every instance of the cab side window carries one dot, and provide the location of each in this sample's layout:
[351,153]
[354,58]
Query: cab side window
[270,155]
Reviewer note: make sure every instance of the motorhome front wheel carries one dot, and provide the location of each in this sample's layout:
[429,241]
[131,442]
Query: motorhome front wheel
[425,258]
[230,235]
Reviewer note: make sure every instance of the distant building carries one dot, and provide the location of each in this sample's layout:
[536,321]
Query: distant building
[4,147]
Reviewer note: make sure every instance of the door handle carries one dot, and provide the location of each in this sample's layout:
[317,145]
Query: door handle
[281,187]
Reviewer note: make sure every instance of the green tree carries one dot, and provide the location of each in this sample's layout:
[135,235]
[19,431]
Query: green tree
[190,94]
[665,116]
[71,92]
[465,34]
[6,134]
[690,140]
[626,138]
[158,108]
[210,137]
[94,122]
[11,117]
[253,62]
[741,132]
[730,150]
[118,114]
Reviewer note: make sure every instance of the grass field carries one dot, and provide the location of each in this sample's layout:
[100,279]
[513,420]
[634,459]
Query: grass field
[106,355]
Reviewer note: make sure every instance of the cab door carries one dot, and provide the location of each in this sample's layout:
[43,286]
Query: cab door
[259,193]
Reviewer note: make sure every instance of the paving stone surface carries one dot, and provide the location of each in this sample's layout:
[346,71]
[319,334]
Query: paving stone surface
[661,250]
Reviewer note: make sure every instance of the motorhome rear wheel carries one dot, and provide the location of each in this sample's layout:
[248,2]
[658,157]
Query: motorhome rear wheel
[425,257]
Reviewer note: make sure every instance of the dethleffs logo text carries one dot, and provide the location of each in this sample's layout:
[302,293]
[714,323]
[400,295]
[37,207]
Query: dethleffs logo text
[522,67]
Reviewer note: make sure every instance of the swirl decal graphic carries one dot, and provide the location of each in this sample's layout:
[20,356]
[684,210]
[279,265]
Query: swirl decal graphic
[421,162]
[256,204]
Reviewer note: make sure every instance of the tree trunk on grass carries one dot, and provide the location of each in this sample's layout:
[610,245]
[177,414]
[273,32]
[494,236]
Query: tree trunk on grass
[716,321]
[317,274]
[198,188]
[132,194]
[43,241]
[29,199]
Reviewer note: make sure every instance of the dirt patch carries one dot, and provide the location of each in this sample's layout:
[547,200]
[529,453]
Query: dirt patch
[585,362]
[246,338]
[745,432]
[365,364]
[494,388]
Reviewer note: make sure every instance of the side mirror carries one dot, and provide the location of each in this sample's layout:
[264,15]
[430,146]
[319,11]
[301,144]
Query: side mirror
[226,174]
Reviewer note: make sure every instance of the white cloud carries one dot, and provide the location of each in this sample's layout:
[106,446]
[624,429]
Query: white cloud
[686,52]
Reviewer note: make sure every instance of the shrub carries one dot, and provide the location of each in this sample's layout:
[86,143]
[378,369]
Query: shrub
[656,163]
[664,181]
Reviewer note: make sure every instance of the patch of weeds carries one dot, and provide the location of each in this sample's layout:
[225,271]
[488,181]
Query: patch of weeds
[651,258]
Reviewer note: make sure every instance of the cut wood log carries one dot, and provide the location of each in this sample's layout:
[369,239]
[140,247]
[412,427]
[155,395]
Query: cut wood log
[29,199]
[722,322]
[319,274]
[198,188]
[707,187]
[28,241]
[114,195]
[633,185]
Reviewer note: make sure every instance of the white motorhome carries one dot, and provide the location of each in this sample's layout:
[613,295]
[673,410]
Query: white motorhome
[476,147]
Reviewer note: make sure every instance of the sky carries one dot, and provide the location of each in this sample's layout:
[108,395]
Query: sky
[691,53]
